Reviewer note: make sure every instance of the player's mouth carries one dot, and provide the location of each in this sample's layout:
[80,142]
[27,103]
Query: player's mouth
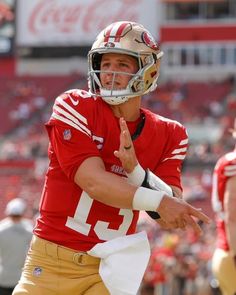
[112,85]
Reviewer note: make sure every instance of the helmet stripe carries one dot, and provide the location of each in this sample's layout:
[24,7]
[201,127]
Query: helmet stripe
[120,31]
[115,32]
[107,34]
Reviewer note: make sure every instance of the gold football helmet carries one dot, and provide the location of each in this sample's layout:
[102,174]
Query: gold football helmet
[126,38]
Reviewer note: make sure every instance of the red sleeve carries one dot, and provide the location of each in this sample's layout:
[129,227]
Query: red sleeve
[70,130]
[169,169]
[71,152]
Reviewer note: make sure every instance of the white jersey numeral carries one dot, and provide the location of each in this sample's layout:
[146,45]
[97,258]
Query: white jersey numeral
[79,221]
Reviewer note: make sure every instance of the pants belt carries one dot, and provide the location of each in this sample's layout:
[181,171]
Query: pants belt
[63,253]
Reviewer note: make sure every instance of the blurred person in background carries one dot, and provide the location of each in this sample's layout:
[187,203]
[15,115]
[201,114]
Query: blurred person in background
[84,241]
[15,237]
[224,206]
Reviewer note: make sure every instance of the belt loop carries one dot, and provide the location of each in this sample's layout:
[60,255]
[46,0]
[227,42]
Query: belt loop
[78,258]
[51,250]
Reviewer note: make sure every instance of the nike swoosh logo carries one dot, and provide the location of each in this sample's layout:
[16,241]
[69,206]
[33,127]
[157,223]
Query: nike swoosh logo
[74,102]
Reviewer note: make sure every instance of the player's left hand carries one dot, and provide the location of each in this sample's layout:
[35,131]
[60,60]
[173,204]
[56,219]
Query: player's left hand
[126,152]
[169,226]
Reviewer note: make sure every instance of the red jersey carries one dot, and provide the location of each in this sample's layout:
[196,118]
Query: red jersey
[224,169]
[81,127]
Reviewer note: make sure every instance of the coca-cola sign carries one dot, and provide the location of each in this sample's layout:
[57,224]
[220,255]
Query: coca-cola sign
[75,21]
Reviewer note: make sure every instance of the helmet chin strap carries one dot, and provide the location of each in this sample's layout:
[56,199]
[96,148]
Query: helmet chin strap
[113,97]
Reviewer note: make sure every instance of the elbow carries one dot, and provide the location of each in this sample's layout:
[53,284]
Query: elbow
[91,184]
[92,188]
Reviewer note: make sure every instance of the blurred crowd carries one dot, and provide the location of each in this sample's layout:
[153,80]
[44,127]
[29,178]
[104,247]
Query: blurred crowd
[180,261]
[210,104]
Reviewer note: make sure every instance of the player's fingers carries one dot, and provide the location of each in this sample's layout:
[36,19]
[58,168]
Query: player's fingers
[199,214]
[122,140]
[192,223]
[182,223]
[117,154]
[174,224]
[124,127]
[165,225]
[128,144]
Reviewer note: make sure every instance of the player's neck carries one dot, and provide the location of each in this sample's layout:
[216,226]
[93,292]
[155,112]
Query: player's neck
[129,110]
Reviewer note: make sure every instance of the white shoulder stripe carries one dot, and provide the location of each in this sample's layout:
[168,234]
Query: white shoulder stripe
[177,151]
[184,141]
[67,121]
[230,173]
[71,110]
[179,157]
[72,118]
[230,167]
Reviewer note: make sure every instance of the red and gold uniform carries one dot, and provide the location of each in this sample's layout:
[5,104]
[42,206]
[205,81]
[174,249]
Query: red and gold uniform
[82,127]
[70,222]
[222,262]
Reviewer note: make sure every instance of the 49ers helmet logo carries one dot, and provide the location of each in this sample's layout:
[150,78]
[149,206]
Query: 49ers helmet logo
[149,41]
[109,44]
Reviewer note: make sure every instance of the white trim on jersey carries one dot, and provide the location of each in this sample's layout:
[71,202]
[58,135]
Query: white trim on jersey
[179,157]
[215,200]
[230,170]
[67,121]
[184,141]
[72,118]
[176,152]
[230,167]
[230,173]
[71,110]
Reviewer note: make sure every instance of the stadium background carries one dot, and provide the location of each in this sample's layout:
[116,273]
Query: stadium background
[43,48]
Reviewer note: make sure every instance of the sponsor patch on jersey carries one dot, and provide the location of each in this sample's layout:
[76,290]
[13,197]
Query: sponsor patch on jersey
[37,271]
[67,134]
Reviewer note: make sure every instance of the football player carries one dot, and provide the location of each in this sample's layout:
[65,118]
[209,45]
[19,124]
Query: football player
[109,159]
[224,205]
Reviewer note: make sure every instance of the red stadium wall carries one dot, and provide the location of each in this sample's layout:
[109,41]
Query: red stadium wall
[7,67]
[177,33]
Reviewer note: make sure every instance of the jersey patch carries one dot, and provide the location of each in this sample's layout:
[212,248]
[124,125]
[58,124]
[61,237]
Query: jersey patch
[37,271]
[67,134]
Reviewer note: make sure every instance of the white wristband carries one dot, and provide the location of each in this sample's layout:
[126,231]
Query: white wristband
[137,176]
[147,199]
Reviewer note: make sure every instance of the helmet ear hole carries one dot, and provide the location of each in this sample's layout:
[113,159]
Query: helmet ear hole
[94,76]
[96,61]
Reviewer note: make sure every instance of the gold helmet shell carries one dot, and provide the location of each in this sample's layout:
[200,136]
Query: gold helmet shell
[130,38]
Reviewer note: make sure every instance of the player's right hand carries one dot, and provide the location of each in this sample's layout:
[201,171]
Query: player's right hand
[126,156]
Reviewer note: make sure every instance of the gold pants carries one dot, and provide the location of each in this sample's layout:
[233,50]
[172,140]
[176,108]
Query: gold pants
[51,269]
[225,271]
